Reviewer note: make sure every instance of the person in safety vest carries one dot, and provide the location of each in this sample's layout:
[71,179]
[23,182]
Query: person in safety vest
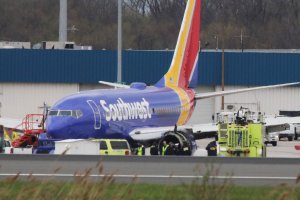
[140,150]
[212,147]
[164,148]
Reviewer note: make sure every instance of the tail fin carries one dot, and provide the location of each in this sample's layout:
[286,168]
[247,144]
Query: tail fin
[183,71]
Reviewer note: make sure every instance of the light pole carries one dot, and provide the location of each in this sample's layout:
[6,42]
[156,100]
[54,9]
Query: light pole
[217,41]
[119,73]
[63,16]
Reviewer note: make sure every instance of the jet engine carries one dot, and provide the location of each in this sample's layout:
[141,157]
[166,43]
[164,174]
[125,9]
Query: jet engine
[184,142]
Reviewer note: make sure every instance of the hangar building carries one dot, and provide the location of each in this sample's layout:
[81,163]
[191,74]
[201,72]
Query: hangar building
[29,77]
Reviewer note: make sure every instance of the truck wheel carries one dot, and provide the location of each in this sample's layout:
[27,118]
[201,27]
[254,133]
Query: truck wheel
[274,144]
[290,138]
[264,151]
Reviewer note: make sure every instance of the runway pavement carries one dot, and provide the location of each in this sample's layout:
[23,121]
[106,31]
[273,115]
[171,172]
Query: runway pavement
[154,169]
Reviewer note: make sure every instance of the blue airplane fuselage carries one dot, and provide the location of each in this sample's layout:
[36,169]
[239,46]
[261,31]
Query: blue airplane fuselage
[113,113]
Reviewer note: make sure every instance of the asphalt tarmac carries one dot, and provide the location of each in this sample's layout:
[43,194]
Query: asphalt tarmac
[153,169]
[282,165]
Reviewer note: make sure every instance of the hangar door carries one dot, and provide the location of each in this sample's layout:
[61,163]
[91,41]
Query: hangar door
[204,108]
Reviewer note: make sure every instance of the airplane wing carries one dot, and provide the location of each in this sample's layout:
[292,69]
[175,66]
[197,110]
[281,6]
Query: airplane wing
[280,123]
[282,119]
[221,93]
[199,131]
[117,85]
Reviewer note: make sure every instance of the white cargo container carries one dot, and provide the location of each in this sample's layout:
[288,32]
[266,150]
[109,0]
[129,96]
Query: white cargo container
[77,147]
[8,149]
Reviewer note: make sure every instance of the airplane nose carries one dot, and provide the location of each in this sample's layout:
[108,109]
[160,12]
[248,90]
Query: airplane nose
[54,129]
[51,130]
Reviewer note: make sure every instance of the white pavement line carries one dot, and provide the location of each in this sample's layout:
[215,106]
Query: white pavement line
[153,176]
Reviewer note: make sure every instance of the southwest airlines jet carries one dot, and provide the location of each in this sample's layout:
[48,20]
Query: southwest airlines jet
[137,112]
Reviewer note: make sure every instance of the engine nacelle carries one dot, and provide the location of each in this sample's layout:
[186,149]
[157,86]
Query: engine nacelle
[184,141]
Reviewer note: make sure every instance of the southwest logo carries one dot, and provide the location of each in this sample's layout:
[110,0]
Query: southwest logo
[125,111]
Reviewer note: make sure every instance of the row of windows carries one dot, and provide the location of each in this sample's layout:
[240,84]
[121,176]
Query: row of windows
[73,113]
[166,110]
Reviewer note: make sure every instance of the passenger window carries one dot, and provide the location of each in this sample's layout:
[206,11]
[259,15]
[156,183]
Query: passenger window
[119,144]
[103,145]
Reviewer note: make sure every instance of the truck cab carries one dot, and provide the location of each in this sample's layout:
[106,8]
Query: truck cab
[114,147]
[291,133]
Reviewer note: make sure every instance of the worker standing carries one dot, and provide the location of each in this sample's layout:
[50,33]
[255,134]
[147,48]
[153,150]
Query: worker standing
[171,149]
[164,148]
[212,147]
[154,149]
[140,150]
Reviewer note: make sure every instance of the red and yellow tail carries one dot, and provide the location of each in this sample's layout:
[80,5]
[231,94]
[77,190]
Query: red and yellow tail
[184,67]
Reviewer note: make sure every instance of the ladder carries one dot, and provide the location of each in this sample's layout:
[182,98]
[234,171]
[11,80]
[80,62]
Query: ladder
[32,126]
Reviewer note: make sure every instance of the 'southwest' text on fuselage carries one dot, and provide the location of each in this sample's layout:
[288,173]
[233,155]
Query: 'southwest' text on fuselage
[125,111]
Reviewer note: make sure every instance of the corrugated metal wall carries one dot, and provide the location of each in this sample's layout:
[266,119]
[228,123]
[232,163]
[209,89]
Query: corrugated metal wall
[69,66]
[145,66]
[261,68]
[269,101]
[204,108]
[56,66]
[19,99]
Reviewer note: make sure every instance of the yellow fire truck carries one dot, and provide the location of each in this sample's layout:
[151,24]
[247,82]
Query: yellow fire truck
[240,135]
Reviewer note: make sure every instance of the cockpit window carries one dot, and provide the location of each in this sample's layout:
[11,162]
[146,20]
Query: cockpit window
[76,113]
[65,113]
[53,112]
[73,113]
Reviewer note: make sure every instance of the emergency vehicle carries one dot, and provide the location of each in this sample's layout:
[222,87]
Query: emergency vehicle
[114,147]
[239,134]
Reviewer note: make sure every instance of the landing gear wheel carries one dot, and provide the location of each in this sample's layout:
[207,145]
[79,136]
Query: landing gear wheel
[296,137]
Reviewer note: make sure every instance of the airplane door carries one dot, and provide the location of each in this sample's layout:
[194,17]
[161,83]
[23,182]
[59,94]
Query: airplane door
[97,116]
